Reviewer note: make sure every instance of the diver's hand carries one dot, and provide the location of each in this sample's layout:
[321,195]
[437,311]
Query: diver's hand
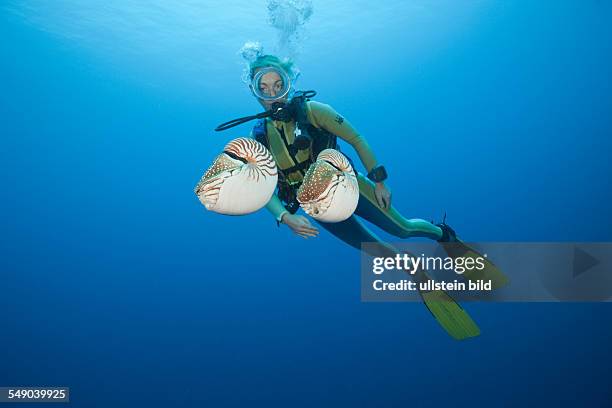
[383,195]
[299,225]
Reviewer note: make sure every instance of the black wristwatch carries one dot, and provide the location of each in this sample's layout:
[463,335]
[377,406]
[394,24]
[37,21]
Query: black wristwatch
[378,174]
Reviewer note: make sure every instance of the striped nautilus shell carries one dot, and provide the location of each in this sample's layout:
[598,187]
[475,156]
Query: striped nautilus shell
[329,192]
[241,180]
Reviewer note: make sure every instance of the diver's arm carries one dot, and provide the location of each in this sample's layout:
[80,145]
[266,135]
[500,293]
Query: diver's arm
[324,116]
[276,208]
[298,223]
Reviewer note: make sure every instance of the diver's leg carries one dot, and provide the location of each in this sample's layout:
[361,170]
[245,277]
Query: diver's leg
[394,223]
[445,310]
[390,220]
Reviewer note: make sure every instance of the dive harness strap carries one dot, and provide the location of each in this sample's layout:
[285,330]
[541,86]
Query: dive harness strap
[286,192]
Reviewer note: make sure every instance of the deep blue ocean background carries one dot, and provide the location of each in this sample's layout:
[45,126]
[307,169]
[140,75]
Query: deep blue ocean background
[116,282]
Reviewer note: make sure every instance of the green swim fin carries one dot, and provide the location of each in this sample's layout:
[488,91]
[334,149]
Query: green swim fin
[489,272]
[456,321]
[456,248]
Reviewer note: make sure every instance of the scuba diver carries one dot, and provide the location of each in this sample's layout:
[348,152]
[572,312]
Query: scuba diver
[296,130]
[294,153]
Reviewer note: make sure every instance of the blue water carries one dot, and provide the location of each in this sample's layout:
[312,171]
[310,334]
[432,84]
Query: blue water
[116,282]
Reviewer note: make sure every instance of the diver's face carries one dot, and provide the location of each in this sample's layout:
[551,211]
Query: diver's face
[271,84]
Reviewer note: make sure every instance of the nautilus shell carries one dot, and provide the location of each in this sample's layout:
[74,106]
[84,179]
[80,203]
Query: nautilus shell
[240,181]
[329,192]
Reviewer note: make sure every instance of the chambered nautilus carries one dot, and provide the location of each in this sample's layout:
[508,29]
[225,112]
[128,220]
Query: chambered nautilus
[241,180]
[330,191]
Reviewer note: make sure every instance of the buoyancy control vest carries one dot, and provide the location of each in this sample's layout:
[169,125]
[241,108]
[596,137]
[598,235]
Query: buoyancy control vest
[292,168]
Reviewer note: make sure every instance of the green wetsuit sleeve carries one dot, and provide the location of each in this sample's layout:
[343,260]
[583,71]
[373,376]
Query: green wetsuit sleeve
[276,207]
[324,116]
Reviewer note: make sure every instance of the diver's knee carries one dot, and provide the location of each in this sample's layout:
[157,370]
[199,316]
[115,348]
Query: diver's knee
[414,228]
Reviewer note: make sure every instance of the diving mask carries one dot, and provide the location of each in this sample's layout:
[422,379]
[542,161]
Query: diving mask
[271,84]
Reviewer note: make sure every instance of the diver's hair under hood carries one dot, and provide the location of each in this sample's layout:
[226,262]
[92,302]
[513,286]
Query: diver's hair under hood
[272,61]
[253,53]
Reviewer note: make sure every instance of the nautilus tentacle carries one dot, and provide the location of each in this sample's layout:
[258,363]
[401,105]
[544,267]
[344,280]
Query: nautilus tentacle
[329,192]
[240,181]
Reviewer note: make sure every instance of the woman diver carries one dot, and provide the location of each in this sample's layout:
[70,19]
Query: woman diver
[295,129]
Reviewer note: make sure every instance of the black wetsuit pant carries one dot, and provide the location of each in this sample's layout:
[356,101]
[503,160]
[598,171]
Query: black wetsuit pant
[354,232]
